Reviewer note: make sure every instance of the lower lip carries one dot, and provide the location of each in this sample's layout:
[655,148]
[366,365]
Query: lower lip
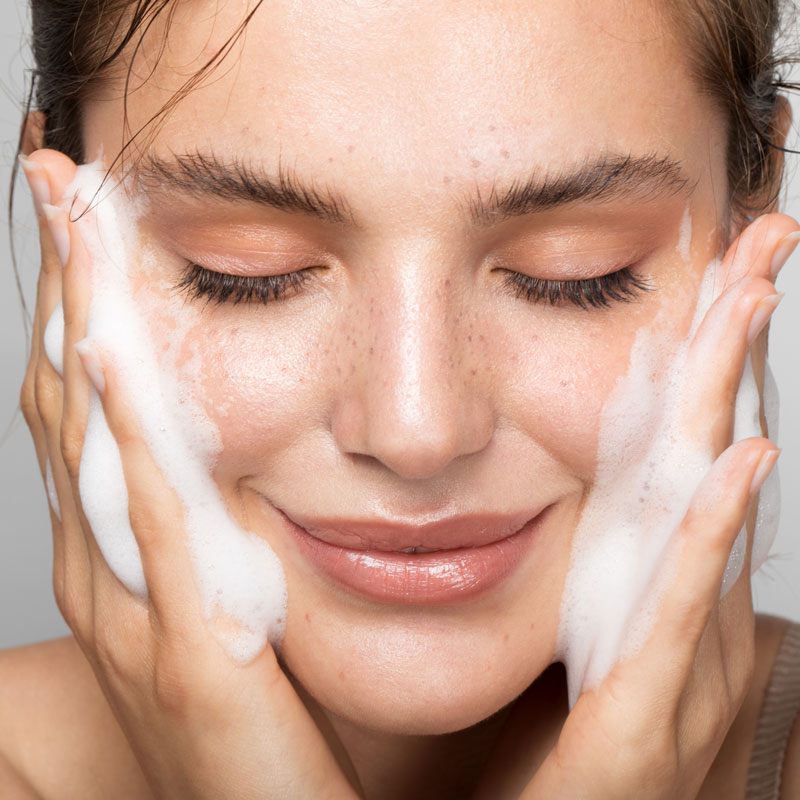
[444,577]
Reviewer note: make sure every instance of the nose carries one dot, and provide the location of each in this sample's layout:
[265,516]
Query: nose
[412,398]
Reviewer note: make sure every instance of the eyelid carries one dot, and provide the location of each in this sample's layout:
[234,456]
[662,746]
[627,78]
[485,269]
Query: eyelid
[275,263]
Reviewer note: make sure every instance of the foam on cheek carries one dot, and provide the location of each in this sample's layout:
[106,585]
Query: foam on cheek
[240,579]
[650,464]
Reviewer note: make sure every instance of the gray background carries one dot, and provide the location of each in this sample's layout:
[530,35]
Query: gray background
[27,610]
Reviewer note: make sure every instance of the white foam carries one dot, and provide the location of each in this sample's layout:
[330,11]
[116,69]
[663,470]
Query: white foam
[240,579]
[649,464]
[54,339]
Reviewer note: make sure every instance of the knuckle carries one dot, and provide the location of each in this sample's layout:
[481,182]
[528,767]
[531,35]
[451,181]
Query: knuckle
[171,685]
[109,653]
[47,396]
[27,400]
[147,535]
[71,446]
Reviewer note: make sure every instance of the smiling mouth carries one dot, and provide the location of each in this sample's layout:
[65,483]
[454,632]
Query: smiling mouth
[373,559]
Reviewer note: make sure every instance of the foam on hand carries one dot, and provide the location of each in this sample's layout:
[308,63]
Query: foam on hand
[239,577]
[649,465]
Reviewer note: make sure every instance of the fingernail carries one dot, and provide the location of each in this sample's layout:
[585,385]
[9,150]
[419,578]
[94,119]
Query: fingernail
[763,470]
[782,252]
[761,315]
[57,223]
[37,181]
[91,363]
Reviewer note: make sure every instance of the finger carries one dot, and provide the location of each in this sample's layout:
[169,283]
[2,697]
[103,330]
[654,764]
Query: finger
[702,546]
[73,583]
[733,323]
[761,249]
[41,396]
[155,511]
[717,356]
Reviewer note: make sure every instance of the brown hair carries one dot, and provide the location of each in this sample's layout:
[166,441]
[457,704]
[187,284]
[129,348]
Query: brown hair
[76,43]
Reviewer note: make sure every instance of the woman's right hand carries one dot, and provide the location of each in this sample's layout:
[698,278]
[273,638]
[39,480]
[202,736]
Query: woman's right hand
[200,725]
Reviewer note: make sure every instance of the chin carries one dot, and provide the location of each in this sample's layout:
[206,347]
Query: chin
[419,675]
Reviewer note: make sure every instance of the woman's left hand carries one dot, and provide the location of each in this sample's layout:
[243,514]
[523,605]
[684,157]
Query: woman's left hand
[654,725]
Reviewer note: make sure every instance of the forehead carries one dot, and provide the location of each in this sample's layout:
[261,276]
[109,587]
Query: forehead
[441,89]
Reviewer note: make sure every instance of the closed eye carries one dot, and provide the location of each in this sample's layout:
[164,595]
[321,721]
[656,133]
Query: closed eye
[621,286]
[222,287]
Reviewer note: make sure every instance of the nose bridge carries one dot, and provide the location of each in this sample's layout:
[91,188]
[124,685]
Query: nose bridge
[412,404]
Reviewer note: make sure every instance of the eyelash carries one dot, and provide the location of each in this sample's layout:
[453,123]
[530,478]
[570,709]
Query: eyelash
[621,286]
[219,287]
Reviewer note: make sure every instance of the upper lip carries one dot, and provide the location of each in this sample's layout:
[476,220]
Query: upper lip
[447,533]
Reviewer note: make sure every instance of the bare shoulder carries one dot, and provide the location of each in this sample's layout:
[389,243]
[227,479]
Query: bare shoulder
[58,737]
[728,774]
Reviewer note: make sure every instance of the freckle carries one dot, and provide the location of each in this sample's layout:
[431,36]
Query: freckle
[475,162]
[504,153]
[474,372]
[371,350]
[531,626]
[505,638]
[308,617]
[341,675]
[447,179]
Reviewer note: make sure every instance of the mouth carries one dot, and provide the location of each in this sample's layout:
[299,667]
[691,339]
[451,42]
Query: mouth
[441,562]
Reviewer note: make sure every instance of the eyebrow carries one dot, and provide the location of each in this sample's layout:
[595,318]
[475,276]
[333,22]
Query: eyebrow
[609,177]
[199,175]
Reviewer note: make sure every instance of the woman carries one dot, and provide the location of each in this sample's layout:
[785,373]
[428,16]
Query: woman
[408,260]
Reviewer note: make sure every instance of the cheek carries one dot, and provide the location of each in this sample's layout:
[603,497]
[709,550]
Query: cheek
[558,374]
[260,384]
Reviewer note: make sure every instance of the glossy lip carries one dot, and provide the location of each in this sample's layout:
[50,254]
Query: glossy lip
[446,533]
[453,574]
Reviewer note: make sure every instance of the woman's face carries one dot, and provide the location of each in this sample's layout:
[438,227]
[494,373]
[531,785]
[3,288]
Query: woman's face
[436,150]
